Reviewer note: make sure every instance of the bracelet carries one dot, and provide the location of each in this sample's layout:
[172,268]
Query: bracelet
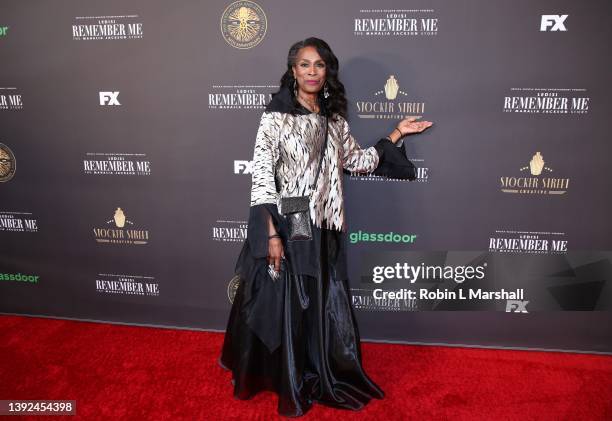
[400,132]
[274,236]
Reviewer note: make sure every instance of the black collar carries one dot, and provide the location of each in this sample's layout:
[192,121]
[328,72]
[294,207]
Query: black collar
[283,102]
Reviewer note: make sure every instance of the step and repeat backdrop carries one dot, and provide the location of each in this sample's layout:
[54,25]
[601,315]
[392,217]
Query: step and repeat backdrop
[127,132]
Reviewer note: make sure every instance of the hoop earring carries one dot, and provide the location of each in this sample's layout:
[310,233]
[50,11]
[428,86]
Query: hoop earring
[325,91]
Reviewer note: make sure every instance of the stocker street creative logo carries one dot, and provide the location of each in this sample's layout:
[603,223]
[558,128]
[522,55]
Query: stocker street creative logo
[243,24]
[127,285]
[120,230]
[529,242]
[18,222]
[538,179]
[88,28]
[547,101]
[3,31]
[99,163]
[7,163]
[389,101]
[10,99]
[240,97]
[395,23]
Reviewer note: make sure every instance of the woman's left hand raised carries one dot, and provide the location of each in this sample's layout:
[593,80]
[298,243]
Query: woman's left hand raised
[410,125]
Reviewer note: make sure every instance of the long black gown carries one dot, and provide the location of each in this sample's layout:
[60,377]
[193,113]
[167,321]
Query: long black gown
[297,335]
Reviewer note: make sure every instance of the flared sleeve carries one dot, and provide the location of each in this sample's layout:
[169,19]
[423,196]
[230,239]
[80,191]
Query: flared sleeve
[265,157]
[354,158]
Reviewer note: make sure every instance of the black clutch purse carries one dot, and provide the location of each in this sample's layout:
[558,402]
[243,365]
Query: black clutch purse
[297,211]
[297,208]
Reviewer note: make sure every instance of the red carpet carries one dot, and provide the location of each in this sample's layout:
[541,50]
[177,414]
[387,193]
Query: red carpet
[138,373]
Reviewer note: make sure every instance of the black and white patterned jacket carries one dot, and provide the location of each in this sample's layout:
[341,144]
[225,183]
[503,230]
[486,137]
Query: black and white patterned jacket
[286,157]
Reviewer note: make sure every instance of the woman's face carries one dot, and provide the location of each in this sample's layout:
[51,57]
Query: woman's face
[309,70]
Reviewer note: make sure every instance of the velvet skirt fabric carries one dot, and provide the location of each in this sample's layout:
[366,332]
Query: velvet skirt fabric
[297,336]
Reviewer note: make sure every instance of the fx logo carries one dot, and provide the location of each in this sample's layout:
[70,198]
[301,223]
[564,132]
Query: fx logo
[556,21]
[243,167]
[109,98]
[3,30]
[516,306]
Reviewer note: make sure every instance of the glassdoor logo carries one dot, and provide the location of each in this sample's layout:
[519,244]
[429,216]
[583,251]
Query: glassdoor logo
[389,237]
[19,277]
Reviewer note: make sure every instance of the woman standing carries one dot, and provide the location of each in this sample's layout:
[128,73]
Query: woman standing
[291,328]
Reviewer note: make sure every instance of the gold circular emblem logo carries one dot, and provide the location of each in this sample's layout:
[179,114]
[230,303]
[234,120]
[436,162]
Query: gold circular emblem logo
[232,287]
[243,24]
[7,163]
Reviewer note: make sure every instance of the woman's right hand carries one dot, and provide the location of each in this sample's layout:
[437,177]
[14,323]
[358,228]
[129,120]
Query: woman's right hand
[275,252]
